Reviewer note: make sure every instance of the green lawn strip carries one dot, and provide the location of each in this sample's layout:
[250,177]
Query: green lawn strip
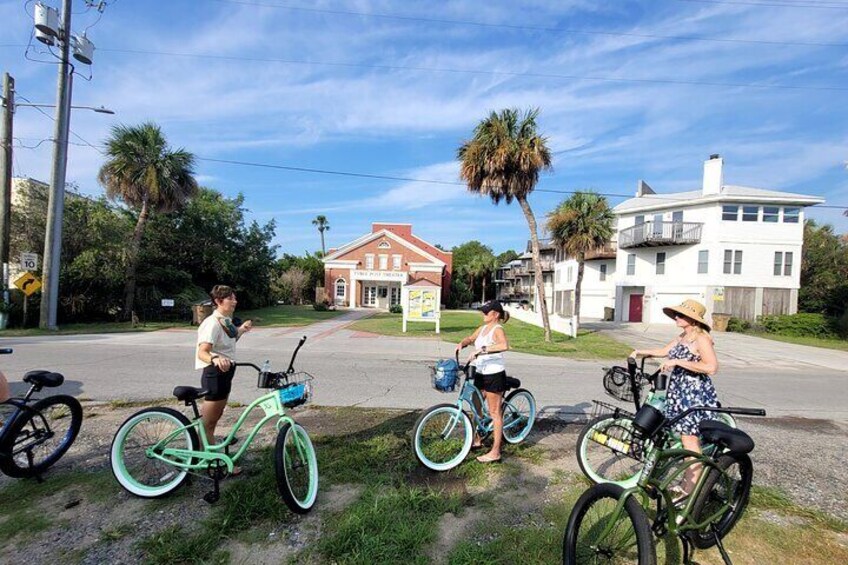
[838,344]
[769,498]
[95,328]
[523,337]
[287,315]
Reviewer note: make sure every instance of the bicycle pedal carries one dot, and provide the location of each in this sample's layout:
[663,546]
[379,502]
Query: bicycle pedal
[211,497]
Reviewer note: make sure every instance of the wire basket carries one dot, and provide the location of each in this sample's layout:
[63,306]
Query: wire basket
[444,380]
[605,409]
[296,390]
[617,383]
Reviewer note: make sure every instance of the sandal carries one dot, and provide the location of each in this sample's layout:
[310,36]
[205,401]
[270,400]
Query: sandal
[484,459]
[679,495]
[476,447]
[236,471]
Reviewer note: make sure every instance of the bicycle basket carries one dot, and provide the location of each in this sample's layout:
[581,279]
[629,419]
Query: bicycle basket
[617,384]
[297,390]
[445,375]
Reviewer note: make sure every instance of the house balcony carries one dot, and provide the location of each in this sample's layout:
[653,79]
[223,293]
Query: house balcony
[656,234]
[608,251]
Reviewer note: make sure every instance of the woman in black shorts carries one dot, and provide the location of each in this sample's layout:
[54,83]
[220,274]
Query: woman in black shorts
[216,351]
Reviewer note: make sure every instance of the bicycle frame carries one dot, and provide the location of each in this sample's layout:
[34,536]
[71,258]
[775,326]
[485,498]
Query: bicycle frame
[22,405]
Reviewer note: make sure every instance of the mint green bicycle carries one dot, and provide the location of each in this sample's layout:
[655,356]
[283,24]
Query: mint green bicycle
[156,449]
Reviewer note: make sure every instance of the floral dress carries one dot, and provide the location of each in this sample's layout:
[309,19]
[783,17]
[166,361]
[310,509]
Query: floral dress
[688,389]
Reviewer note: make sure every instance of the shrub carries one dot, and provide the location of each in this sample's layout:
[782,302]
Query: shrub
[322,306]
[738,325]
[396,309]
[800,325]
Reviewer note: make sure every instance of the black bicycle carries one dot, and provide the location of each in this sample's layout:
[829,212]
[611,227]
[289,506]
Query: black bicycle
[37,433]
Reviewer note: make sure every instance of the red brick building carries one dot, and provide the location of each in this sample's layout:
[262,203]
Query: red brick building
[371,270]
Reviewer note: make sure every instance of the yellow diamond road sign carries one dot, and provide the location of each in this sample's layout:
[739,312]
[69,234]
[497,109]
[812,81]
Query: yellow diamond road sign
[28,283]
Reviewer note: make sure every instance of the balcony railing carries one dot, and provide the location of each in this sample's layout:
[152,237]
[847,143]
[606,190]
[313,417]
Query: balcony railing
[654,234]
[608,251]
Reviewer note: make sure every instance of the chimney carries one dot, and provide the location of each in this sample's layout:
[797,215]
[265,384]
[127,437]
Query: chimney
[713,175]
[642,188]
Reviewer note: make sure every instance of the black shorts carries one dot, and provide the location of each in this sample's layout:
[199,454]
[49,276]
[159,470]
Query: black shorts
[217,382]
[496,382]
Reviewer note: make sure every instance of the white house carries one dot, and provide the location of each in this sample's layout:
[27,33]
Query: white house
[735,249]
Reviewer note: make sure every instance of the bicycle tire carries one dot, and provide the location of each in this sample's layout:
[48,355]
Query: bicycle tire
[715,493]
[581,543]
[27,433]
[166,477]
[605,464]
[512,409]
[455,452]
[289,459]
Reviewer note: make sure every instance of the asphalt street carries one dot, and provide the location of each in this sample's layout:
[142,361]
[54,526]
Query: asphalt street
[358,369]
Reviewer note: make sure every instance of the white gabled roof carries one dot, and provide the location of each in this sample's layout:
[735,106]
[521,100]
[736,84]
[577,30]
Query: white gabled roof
[729,193]
[376,235]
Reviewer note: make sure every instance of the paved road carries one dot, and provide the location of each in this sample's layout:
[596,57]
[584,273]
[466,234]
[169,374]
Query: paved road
[353,368]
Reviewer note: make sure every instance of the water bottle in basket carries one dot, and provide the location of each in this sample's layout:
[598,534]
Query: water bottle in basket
[264,374]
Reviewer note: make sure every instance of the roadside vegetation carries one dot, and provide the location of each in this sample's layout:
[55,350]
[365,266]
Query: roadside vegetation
[523,337]
[817,330]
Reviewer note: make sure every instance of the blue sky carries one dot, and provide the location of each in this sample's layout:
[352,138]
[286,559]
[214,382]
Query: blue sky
[392,88]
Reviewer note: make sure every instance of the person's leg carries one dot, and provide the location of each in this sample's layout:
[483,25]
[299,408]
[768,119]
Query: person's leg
[494,401]
[691,443]
[5,394]
[211,412]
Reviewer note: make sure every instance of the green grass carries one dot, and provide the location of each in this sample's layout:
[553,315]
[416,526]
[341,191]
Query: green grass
[94,328]
[839,344]
[287,315]
[522,337]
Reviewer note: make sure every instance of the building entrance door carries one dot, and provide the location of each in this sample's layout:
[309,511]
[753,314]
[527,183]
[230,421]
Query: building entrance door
[383,297]
[369,295]
[635,308]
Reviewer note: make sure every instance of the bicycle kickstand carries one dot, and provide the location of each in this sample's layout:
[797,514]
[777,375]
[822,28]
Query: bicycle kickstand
[38,477]
[720,546]
[687,551]
[212,496]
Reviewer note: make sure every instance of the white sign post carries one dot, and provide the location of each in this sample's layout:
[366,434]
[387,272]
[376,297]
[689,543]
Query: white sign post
[29,261]
[167,303]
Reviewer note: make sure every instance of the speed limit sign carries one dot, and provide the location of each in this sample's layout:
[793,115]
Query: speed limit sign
[29,261]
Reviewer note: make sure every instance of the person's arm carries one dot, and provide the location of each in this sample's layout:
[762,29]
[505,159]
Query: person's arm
[708,365]
[500,343]
[205,354]
[244,328]
[5,394]
[653,352]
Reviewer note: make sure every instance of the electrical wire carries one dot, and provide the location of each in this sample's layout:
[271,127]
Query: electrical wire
[51,118]
[514,27]
[771,4]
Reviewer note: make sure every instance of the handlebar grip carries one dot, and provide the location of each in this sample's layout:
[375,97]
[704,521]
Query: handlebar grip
[6,351]
[745,411]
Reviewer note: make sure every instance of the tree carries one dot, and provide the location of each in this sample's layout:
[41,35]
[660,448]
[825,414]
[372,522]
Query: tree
[323,225]
[293,283]
[507,256]
[580,224]
[503,161]
[469,262]
[824,271]
[146,174]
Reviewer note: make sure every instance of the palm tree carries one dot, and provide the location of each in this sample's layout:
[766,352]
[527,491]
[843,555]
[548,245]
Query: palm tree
[580,224]
[502,161]
[323,225]
[145,173]
[488,265]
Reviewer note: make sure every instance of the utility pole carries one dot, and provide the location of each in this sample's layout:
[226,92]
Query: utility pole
[56,201]
[8,110]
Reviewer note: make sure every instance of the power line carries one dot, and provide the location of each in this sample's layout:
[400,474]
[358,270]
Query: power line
[85,141]
[478,71]
[774,4]
[514,27]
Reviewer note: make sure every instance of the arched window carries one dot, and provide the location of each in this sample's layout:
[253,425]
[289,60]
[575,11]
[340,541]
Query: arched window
[341,289]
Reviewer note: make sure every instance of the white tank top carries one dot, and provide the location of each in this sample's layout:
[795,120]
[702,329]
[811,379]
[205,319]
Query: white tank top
[490,363]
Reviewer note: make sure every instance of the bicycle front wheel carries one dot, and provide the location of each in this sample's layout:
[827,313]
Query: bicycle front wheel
[519,414]
[39,437]
[296,467]
[138,472]
[608,452]
[601,531]
[722,499]
[442,437]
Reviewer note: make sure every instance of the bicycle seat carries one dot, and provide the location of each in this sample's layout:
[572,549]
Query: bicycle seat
[719,433]
[189,393]
[512,382]
[44,378]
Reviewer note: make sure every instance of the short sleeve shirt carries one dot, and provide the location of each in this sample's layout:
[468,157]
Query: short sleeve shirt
[211,331]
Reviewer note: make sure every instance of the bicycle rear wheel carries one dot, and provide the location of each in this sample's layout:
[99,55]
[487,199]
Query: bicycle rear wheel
[598,531]
[39,437]
[141,474]
[722,499]
[296,468]
[441,438]
[519,414]
[608,452]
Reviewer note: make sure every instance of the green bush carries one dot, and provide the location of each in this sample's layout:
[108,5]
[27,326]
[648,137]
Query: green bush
[800,325]
[396,309]
[321,306]
[738,325]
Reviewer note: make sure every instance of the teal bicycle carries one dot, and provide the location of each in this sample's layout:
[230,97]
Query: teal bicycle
[156,449]
[443,434]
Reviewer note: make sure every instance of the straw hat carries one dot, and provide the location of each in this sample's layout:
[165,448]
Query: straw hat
[692,309]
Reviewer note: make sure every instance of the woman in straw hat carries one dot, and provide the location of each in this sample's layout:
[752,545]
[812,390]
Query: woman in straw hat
[691,359]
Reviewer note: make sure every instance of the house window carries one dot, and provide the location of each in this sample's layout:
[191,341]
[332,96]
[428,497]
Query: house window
[787,264]
[369,262]
[778,263]
[732,262]
[557,278]
[730,213]
[631,264]
[661,263]
[384,245]
[677,217]
[384,262]
[750,213]
[395,298]
[570,274]
[703,261]
[396,261]
[770,214]
[603,271]
[791,215]
[639,220]
[383,292]
[341,289]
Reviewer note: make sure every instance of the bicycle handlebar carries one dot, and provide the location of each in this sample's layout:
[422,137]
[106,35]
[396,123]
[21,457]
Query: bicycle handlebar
[247,365]
[723,410]
[6,351]
[288,371]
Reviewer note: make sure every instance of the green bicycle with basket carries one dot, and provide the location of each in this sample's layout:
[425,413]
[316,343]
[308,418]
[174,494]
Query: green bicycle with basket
[156,449]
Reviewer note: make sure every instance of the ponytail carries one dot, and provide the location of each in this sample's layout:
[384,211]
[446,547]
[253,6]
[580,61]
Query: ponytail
[504,317]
